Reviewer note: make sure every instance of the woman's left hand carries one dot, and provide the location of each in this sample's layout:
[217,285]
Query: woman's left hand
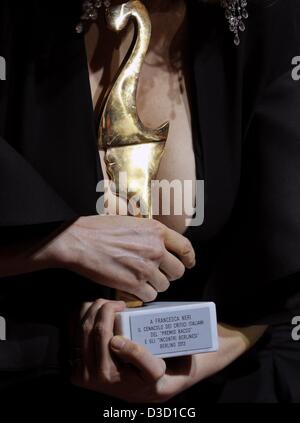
[115,366]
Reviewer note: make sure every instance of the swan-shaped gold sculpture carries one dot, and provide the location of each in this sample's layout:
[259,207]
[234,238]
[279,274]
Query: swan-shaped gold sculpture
[130,147]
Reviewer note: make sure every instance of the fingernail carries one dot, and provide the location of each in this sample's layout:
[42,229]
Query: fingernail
[117,342]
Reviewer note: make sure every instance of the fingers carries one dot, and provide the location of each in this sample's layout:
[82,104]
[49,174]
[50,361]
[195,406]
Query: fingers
[159,281]
[150,367]
[181,246]
[145,292]
[84,342]
[172,267]
[85,333]
[103,332]
[83,309]
[88,312]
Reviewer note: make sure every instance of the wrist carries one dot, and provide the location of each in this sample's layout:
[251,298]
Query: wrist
[55,252]
[233,342]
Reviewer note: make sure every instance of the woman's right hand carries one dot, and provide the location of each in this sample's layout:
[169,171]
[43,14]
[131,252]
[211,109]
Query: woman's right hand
[135,255]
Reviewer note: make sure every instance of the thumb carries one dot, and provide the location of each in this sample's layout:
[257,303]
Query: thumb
[151,367]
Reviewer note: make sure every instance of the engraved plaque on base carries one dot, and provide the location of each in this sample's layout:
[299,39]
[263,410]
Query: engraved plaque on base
[171,329]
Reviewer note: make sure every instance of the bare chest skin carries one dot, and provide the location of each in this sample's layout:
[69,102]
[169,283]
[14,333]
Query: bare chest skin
[162,93]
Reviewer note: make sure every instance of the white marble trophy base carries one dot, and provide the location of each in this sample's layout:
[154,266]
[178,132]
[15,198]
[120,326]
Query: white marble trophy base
[171,329]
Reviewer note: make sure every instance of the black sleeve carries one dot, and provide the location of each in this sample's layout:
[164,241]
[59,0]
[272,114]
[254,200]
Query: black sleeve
[25,197]
[49,169]
[258,276]
[49,166]
[247,108]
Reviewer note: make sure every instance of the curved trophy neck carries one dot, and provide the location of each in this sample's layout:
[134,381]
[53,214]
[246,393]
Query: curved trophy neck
[142,39]
[127,81]
[120,124]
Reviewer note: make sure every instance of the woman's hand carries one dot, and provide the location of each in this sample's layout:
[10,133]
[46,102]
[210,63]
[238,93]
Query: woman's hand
[138,256]
[115,366]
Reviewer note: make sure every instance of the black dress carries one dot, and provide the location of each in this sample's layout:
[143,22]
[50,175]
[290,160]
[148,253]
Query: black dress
[49,171]
[249,246]
[247,146]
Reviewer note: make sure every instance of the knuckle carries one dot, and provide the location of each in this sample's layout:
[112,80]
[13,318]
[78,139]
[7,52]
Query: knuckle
[157,226]
[158,230]
[180,270]
[86,328]
[99,303]
[187,247]
[159,252]
[99,330]
[106,308]
[144,271]
[134,350]
[84,309]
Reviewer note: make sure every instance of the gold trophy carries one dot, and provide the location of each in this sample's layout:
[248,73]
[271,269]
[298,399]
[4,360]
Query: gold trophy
[132,149]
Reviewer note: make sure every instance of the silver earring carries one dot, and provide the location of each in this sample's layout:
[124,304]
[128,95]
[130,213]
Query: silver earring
[236,13]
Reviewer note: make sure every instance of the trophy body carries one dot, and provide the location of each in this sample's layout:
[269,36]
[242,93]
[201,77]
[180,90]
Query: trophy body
[166,329]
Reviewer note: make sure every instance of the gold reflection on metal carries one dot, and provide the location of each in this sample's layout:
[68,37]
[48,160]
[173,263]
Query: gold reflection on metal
[129,146]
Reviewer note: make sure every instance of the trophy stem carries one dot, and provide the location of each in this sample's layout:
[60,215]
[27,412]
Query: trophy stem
[130,147]
[130,300]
